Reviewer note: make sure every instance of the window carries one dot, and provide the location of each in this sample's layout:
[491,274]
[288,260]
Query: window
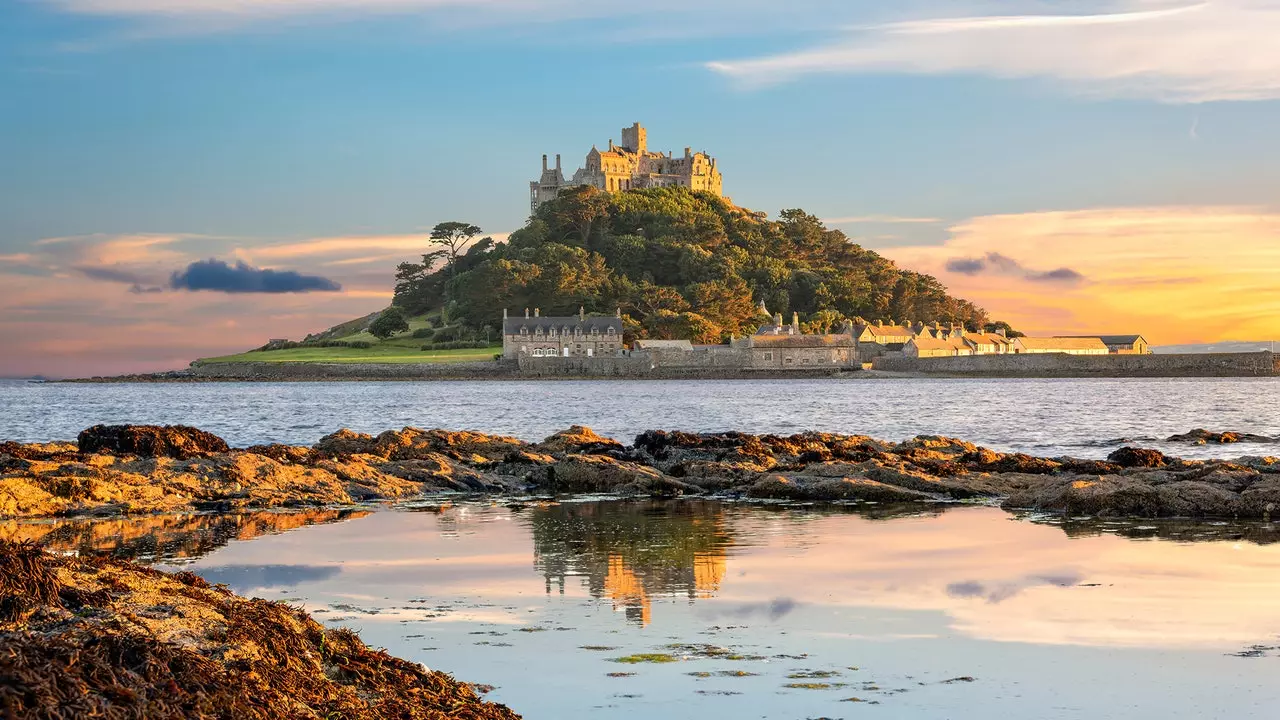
[804,361]
[611,331]
[768,357]
[789,361]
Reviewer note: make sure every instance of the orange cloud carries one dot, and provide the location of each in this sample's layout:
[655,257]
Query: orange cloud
[1175,274]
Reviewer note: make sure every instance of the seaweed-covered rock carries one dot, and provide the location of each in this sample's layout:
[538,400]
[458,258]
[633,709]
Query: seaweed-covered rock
[578,440]
[1131,457]
[175,441]
[600,474]
[799,487]
[1200,436]
[80,636]
[346,442]
[414,443]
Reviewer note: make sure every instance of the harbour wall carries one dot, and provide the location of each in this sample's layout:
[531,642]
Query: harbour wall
[283,371]
[1254,364]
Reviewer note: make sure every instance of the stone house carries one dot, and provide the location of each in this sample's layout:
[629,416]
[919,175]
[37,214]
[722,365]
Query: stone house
[927,347]
[574,336]
[630,166]
[1069,346]
[988,343]
[785,347]
[1125,344]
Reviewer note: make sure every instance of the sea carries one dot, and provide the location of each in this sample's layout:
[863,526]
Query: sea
[604,608]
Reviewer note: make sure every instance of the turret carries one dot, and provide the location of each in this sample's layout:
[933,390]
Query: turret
[544,163]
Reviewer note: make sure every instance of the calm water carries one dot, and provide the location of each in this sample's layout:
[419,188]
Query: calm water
[967,613]
[1085,418]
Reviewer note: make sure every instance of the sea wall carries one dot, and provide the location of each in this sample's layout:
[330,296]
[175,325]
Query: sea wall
[1256,364]
[275,371]
[660,366]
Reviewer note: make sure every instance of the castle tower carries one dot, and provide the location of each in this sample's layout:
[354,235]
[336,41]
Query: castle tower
[635,139]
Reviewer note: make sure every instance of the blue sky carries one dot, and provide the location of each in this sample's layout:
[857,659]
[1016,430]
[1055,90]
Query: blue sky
[231,128]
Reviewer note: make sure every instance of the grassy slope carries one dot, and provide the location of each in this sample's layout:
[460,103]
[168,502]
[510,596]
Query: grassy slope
[402,348]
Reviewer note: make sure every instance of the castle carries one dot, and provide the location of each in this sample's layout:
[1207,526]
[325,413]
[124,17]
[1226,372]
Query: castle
[630,166]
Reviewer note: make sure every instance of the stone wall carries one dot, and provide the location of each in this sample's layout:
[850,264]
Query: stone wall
[1258,364]
[701,364]
[268,371]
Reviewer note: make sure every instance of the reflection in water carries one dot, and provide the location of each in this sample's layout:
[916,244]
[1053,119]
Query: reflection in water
[629,552]
[1256,532]
[871,604]
[154,538]
[244,579]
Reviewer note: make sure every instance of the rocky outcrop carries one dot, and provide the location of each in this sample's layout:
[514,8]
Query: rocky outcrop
[1201,436]
[175,441]
[177,469]
[83,636]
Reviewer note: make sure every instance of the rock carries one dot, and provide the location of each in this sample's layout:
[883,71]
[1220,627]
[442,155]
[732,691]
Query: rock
[1131,457]
[1117,496]
[83,635]
[413,443]
[784,487]
[437,472]
[599,474]
[984,460]
[176,441]
[578,440]
[288,454]
[1201,436]
[346,442]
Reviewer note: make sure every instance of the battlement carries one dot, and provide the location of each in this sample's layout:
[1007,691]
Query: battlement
[630,166]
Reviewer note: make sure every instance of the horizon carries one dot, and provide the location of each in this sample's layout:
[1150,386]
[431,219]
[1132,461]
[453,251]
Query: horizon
[187,179]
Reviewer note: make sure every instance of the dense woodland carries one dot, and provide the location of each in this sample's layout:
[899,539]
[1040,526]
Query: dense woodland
[680,264]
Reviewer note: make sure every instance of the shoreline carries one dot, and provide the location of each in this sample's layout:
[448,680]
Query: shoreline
[138,470]
[1046,366]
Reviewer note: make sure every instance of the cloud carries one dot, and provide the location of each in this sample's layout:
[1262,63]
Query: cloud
[110,274]
[1208,51]
[218,276]
[996,264]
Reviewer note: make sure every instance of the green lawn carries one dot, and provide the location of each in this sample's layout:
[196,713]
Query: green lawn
[403,348]
[390,352]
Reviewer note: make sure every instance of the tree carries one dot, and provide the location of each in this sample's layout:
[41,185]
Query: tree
[453,236]
[390,322]
[999,325]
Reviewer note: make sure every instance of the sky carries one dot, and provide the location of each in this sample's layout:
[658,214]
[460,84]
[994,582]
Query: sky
[184,178]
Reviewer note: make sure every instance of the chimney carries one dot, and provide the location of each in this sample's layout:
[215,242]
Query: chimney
[526,313]
[777,319]
[1001,332]
[557,162]
[880,323]
[688,152]
[795,321]
[537,312]
[618,313]
[544,163]
[582,313]
[504,313]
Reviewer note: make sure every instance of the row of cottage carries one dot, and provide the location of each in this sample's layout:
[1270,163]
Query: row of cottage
[776,345]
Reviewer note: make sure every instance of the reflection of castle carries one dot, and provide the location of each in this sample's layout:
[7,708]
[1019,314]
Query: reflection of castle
[633,552]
